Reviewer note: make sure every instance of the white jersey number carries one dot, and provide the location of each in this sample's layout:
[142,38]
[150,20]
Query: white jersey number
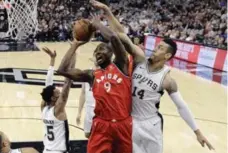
[107,86]
[138,93]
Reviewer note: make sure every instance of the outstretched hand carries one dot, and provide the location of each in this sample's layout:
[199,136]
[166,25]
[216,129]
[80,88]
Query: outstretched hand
[202,140]
[95,21]
[52,54]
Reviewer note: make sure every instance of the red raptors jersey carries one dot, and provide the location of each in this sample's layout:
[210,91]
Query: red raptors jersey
[112,91]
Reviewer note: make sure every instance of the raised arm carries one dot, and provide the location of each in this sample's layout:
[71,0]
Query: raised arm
[50,73]
[113,22]
[121,58]
[62,100]
[135,51]
[170,86]
[72,73]
[64,66]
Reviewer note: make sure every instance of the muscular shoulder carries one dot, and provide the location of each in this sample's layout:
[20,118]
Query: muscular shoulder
[28,150]
[169,84]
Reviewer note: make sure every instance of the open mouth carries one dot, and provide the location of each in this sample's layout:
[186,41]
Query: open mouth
[99,59]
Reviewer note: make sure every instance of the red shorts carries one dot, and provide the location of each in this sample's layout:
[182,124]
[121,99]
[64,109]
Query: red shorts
[110,137]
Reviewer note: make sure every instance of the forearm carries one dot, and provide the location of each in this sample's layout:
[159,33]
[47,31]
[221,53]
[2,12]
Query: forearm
[105,31]
[137,54]
[66,89]
[52,62]
[183,110]
[50,76]
[81,102]
[66,61]
[112,20]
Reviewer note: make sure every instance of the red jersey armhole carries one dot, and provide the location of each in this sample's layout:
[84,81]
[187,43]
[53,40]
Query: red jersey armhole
[130,66]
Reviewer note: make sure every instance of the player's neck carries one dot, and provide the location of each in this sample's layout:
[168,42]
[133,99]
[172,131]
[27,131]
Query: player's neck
[153,67]
[104,65]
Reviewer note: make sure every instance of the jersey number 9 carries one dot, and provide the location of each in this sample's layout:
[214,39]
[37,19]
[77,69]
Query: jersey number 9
[107,86]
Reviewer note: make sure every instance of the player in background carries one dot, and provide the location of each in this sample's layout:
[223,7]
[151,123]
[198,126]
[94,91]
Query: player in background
[86,97]
[111,128]
[160,79]
[5,146]
[56,139]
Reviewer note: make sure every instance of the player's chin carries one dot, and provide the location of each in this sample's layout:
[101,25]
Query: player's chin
[100,62]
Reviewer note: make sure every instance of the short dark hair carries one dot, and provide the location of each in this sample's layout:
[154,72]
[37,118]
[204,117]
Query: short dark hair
[47,93]
[172,46]
[108,46]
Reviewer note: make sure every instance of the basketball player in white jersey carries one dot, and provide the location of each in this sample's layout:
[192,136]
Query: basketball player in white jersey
[5,146]
[87,98]
[54,116]
[149,80]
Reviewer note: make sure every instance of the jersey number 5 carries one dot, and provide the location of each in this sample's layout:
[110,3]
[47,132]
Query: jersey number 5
[50,133]
[139,93]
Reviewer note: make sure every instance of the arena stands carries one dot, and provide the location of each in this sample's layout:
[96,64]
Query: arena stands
[201,22]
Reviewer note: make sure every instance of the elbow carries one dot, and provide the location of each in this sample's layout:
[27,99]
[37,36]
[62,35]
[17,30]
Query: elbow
[60,71]
[114,37]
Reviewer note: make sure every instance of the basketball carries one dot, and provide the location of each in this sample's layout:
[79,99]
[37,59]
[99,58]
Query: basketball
[82,30]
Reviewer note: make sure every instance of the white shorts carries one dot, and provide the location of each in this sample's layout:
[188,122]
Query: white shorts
[88,118]
[147,135]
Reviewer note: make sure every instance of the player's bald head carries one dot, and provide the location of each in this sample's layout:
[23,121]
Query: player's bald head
[3,136]
[4,141]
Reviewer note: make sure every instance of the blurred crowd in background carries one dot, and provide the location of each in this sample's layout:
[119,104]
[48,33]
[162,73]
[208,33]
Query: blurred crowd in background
[201,22]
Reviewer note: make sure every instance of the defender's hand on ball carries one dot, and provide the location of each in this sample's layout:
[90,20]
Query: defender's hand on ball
[95,21]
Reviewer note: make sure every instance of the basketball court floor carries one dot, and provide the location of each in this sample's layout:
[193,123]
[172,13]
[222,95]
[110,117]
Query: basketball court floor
[22,77]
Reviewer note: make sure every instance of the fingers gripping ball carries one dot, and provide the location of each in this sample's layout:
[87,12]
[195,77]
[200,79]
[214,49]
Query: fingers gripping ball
[83,30]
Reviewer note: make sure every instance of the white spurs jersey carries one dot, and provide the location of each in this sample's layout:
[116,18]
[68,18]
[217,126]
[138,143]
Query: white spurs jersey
[146,91]
[89,99]
[56,132]
[15,151]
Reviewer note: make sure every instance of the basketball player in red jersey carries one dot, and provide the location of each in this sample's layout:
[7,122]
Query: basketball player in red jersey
[111,85]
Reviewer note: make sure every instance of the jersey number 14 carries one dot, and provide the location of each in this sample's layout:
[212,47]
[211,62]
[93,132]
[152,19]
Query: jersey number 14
[138,93]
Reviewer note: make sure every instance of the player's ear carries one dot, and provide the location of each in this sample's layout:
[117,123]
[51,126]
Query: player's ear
[168,55]
[52,98]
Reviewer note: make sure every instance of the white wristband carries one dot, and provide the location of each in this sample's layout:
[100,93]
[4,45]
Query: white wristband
[49,77]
